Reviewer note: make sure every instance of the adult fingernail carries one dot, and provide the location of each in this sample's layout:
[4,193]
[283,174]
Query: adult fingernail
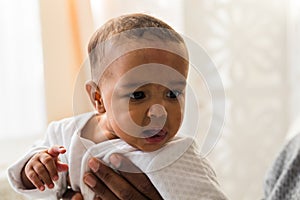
[90,181]
[115,160]
[94,165]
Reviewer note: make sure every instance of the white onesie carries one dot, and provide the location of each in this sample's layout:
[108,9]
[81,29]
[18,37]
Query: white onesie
[176,170]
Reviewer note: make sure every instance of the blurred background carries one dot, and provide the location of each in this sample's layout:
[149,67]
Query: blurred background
[254,44]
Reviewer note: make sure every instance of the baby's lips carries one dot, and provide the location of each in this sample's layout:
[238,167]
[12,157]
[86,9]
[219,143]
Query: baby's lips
[154,131]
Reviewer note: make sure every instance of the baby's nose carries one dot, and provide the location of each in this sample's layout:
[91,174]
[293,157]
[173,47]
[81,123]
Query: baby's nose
[157,110]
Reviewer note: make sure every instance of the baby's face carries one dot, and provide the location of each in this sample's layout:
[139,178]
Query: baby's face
[144,97]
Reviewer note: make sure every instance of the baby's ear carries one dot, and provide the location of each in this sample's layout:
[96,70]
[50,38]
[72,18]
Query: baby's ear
[95,96]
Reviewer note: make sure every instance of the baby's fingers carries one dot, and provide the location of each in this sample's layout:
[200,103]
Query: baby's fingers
[56,150]
[43,174]
[61,167]
[50,166]
[35,179]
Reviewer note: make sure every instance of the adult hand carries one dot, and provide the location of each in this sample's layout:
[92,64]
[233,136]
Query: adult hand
[108,184]
[71,195]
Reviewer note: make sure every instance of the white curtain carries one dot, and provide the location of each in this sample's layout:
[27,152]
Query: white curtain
[22,109]
[294,60]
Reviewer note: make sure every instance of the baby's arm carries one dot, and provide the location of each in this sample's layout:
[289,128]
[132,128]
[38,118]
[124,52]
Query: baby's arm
[43,168]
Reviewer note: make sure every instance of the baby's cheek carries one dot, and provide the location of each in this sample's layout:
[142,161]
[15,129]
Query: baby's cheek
[178,121]
[179,118]
[179,113]
[138,116]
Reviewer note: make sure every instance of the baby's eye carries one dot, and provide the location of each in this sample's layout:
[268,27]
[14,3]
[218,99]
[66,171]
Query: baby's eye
[137,95]
[173,94]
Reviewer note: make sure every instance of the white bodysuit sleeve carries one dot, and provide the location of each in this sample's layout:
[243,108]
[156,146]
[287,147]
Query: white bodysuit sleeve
[14,171]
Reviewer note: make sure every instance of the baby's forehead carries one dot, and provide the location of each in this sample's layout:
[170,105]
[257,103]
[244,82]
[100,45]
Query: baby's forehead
[117,48]
[151,55]
[141,47]
[150,73]
[124,45]
[144,66]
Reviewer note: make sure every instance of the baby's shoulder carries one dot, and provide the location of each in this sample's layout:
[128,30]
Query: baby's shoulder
[69,124]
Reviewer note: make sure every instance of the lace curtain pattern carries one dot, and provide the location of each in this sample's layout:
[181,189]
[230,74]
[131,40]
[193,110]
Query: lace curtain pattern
[248,40]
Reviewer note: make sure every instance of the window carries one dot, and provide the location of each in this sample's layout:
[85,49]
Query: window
[22,109]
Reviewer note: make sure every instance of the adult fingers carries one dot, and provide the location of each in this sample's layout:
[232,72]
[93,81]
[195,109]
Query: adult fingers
[77,196]
[116,183]
[71,195]
[134,175]
[100,189]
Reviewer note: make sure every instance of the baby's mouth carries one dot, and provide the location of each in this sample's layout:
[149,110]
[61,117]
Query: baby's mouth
[155,135]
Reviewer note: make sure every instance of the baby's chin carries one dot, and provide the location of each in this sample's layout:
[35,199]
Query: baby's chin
[150,147]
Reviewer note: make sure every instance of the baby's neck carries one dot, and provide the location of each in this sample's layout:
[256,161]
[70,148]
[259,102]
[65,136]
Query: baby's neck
[96,130]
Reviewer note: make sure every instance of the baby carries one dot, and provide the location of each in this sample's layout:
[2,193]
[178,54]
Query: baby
[139,67]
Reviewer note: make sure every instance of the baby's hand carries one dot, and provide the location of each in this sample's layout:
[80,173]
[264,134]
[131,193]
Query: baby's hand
[44,166]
